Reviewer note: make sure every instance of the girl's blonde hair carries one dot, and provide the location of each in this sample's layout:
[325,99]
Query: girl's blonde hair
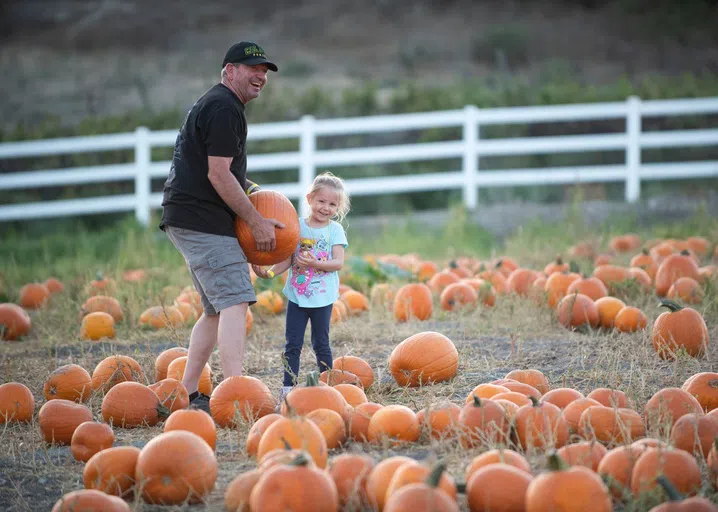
[329,180]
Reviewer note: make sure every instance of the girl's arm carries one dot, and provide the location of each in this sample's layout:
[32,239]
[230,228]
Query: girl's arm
[276,269]
[334,264]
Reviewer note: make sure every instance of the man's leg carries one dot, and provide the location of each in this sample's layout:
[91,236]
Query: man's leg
[201,344]
[231,336]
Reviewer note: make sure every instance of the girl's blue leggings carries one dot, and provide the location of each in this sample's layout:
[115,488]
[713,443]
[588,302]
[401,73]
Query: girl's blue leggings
[297,318]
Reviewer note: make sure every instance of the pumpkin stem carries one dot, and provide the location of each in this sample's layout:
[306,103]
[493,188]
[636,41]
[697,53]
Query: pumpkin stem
[499,263]
[312,379]
[685,252]
[672,305]
[559,260]
[162,411]
[286,444]
[99,275]
[556,463]
[435,476]
[534,401]
[573,267]
[645,251]
[671,491]
[477,401]
[300,460]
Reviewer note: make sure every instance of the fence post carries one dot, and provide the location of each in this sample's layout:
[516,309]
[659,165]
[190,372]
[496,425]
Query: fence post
[633,150]
[142,175]
[470,159]
[307,147]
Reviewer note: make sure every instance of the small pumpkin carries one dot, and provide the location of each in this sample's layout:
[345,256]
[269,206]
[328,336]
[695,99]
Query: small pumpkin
[165,358]
[70,382]
[677,503]
[672,268]
[704,387]
[424,358]
[610,397]
[350,472]
[577,311]
[112,470]
[458,296]
[332,426]
[427,496]
[176,467]
[356,302]
[90,499]
[302,400]
[294,432]
[680,467]
[561,397]
[358,420]
[333,377]
[239,490]
[96,326]
[695,434]
[413,301]
[396,423]
[630,319]
[547,491]
[482,422]
[34,295]
[257,430]
[176,369]
[14,322]
[540,425]
[131,404]
[498,487]
[520,281]
[172,394]
[59,418]
[269,302]
[441,420]
[103,304]
[497,456]
[17,404]
[89,438]
[686,289]
[532,377]
[115,369]
[243,395]
[611,425]
[679,328]
[354,395]
[161,317]
[415,472]
[608,308]
[573,411]
[357,366]
[195,421]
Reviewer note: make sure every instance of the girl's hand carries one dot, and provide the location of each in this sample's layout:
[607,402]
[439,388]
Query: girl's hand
[306,259]
[264,274]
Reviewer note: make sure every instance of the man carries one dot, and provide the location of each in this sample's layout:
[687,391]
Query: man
[206,189]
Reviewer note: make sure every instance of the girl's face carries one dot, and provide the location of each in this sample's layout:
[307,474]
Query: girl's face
[324,204]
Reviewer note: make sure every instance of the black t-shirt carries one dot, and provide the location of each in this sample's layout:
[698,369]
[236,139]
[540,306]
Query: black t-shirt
[214,126]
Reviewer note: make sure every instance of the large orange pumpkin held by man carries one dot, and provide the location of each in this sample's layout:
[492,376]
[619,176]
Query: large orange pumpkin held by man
[272,205]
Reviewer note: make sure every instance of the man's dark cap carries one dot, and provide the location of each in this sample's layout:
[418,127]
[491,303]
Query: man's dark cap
[248,53]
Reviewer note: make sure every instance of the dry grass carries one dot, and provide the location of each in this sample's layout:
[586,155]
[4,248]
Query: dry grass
[517,333]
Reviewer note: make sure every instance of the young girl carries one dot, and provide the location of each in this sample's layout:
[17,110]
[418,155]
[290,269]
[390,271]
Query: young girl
[312,284]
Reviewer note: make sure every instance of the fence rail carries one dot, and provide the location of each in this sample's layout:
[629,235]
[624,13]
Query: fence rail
[469,148]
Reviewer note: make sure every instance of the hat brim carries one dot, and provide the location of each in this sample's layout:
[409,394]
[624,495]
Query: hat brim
[253,61]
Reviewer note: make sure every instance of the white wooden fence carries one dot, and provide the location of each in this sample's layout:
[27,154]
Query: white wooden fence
[469,148]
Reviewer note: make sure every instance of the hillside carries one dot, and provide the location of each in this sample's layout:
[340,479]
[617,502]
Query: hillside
[74,59]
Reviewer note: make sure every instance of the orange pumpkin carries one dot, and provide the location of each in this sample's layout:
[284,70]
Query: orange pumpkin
[591,287]
[520,281]
[547,491]
[59,418]
[441,419]
[176,369]
[458,296]
[672,268]
[350,472]
[131,404]
[296,486]
[89,438]
[611,275]
[667,405]
[270,205]
[680,328]
[256,432]
[16,403]
[195,421]
[608,308]
[352,394]
[645,261]
[161,317]
[561,397]
[482,422]
[172,394]
[270,302]
[96,326]
[557,285]
[425,271]
[677,503]
[33,295]
[396,423]
[498,487]
[103,304]
[703,386]
[165,358]
[115,369]
[357,366]
[248,396]
[680,467]
[610,425]
[557,265]
[415,472]
[616,467]
[486,390]
[380,476]
[54,285]
[424,358]
[101,285]
[14,322]
[70,382]
[302,400]
[573,411]
[90,499]
[239,491]
[630,319]
[576,311]
[497,456]
[540,425]
[358,420]
[175,468]
[624,243]
[413,301]
[294,432]
[610,397]
[332,426]
[519,387]
[334,377]
[534,378]
[356,302]
[695,434]
[686,289]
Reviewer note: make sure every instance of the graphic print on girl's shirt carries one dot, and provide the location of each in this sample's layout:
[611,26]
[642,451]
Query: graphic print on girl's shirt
[310,287]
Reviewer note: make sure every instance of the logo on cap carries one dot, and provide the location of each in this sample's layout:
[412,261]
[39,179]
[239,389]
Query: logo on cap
[254,51]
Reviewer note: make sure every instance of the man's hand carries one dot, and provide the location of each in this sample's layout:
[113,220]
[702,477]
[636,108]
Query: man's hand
[263,233]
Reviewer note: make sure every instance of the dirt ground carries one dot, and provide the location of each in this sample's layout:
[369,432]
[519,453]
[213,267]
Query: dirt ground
[517,333]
